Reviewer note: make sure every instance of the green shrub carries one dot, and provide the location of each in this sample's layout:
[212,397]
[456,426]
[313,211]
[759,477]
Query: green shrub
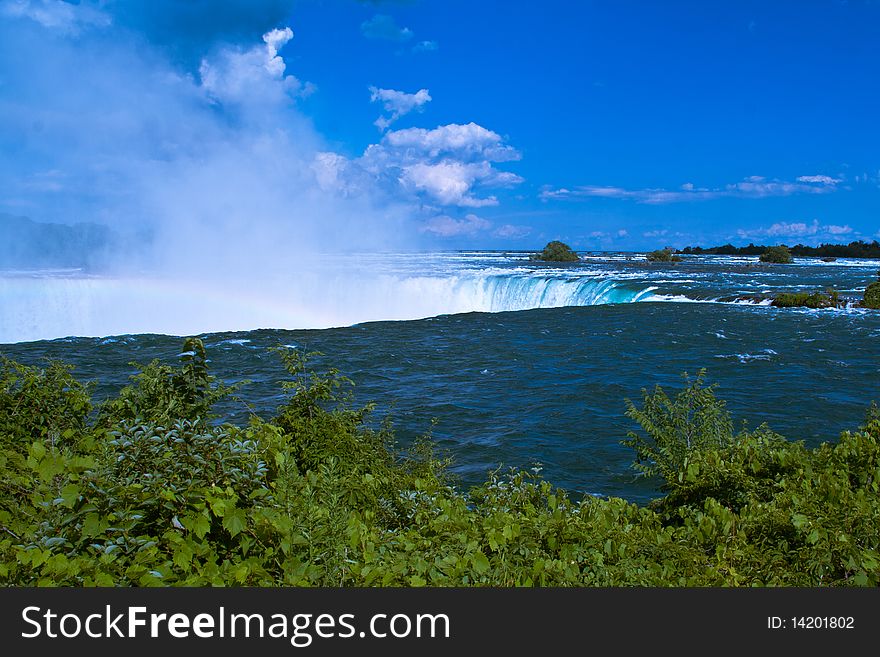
[41,402]
[831,299]
[777,255]
[675,429]
[163,393]
[556,252]
[872,295]
[664,255]
[315,497]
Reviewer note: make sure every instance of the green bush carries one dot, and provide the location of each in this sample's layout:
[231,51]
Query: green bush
[316,497]
[164,393]
[44,403]
[664,255]
[872,295]
[779,255]
[556,252]
[831,299]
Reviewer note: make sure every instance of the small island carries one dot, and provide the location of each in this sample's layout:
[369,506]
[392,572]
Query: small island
[556,251]
[827,299]
[664,255]
[872,295]
[777,255]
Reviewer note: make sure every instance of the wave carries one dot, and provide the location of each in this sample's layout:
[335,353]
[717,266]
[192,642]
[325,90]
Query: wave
[764,354]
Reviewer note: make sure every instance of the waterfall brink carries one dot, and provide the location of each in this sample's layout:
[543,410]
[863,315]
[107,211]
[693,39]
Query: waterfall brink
[46,305]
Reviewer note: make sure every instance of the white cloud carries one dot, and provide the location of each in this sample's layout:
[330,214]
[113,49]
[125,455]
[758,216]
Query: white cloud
[825,180]
[446,165]
[254,76]
[796,229]
[397,103]
[512,231]
[56,14]
[275,40]
[328,167]
[446,226]
[382,26]
[751,187]
[465,142]
[450,182]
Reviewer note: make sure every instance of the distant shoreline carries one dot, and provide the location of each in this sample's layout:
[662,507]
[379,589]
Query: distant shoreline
[858,249]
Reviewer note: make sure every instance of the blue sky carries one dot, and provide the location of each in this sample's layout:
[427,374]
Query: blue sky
[446,124]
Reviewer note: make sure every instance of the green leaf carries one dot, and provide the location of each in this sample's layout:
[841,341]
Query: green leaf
[70,495]
[183,557]
[480,562]
[92,525]
[199,524]
[234,521]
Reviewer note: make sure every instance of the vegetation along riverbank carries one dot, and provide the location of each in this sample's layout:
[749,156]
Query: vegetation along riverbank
[149,489]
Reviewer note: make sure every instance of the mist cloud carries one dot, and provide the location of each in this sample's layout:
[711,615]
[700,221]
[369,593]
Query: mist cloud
[203,167]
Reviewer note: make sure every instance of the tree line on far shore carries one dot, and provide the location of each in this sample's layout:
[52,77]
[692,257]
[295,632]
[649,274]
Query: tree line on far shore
[856,249]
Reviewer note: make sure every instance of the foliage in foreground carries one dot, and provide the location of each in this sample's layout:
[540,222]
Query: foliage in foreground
[556,251]
[148,491]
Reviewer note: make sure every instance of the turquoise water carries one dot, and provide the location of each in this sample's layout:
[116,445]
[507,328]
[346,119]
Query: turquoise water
[518,384]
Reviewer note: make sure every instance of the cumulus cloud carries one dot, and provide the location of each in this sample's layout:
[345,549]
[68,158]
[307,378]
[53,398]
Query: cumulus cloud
[446,165]
[253,76]
[57,15]
[451,183]
[796,229]
[397,104]
[751,187]
[384,27]
[465,142]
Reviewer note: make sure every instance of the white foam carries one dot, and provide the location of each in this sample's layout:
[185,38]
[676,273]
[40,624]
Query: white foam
[48,307]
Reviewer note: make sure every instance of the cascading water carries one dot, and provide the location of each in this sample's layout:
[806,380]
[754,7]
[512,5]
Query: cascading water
[51,306]
[341,291]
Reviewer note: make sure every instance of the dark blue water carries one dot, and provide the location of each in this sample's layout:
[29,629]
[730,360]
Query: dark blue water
[546,385]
